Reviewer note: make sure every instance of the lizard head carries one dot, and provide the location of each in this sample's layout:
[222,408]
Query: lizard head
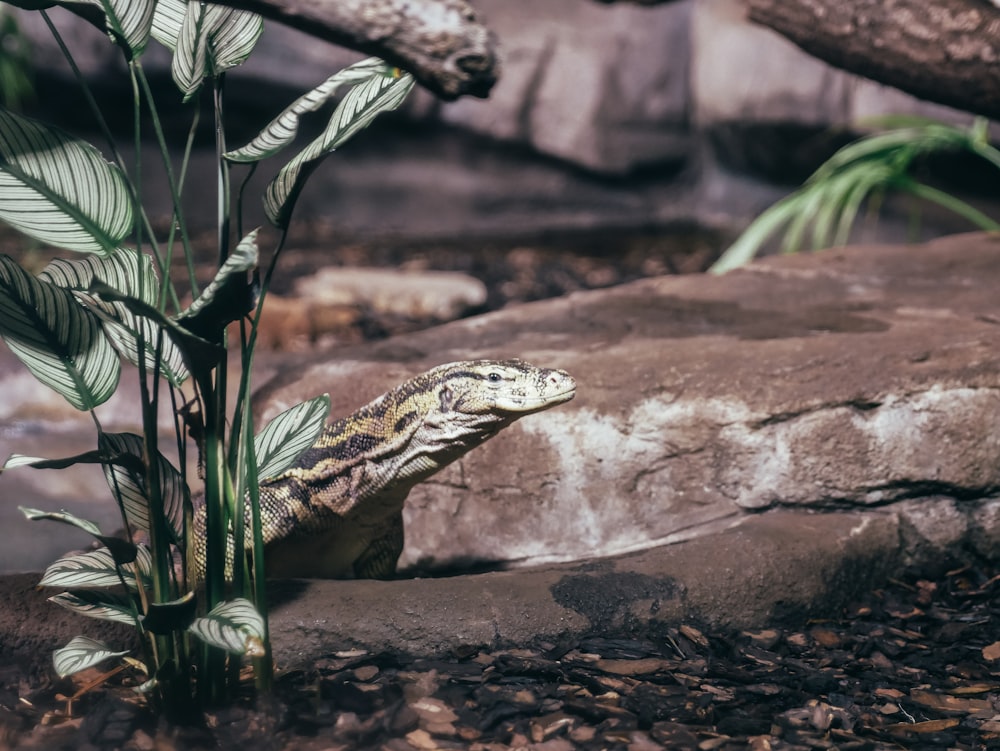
[500,387]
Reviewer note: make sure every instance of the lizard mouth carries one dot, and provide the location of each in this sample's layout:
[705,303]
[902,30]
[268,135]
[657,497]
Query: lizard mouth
[533,404]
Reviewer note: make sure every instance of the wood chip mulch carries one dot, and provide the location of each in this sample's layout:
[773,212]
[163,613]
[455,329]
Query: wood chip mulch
[914,666]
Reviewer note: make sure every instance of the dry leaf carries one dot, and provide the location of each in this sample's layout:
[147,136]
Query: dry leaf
[929,726]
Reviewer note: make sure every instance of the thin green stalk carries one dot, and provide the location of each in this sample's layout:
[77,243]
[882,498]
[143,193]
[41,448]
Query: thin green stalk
[223,218]
[112,145]
[223,173]
[948,201]
[263,666]
[175,195]
[239,199]
[88,95]
[211,679]
[171,234]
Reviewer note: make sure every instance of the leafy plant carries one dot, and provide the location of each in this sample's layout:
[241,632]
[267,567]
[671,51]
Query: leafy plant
[832,197]
[73,324]
[16,76]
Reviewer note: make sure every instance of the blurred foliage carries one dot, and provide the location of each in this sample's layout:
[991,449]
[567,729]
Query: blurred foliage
[17,86]
[866,170]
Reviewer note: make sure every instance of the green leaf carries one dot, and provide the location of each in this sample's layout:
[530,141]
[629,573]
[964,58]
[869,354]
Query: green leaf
[62,516]
[745,248]
[81,653]
[166,617]
[382,90]
[211,39]
[281,131]
[96,569]
[833,195]
[234,626]
[106,606]
[128,21]
[198,355]
[228,298]
[126,477]
[168,17]
[284,439]
[59,189]
[123,551]
[59,341]
[147,687]
[130,273]
[20,460]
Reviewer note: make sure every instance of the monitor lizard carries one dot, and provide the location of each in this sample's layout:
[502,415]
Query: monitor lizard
[337,513]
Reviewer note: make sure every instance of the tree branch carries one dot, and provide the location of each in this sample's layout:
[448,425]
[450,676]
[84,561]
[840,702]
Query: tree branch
[438,41]
[946,51]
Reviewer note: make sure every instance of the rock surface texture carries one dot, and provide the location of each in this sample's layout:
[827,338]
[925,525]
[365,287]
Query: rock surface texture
[799,429]
[853,379]
[714,117]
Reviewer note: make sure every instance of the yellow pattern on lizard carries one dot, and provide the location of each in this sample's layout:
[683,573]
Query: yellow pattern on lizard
[338,512]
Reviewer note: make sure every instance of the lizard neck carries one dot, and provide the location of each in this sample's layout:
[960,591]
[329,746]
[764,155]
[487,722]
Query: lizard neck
[442,439]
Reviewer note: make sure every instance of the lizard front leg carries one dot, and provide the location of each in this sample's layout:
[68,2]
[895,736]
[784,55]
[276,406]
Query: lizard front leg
[378,560]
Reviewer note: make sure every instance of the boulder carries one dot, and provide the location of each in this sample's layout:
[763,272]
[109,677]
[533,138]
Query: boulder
[763,444]
[859,378]
[605,115]
[422,295]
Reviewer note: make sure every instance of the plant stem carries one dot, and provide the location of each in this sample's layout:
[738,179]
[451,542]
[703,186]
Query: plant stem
[948,201]
[175,194]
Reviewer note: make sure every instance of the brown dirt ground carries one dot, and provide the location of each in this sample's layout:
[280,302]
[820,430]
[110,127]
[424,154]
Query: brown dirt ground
[913,665]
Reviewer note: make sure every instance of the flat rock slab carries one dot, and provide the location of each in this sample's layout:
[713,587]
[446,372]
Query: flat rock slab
[778,564]
[848,379]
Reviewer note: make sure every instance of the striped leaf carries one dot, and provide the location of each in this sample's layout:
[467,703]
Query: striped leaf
[106,606]
[197,354]
[284,439]
[59,341]
[81,653]
[211,39]
[168,17]
[127,479]
[228,298]
[130,273]
[282,130]
[62,516]
[234,626]
[96,569]
[382,90]
[129,21]
[59,189]
[20,460]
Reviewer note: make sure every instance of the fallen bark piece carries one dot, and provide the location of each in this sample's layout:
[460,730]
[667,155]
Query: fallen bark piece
[927,726]
[992,651]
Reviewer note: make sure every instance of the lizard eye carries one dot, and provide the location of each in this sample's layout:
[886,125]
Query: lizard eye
[494,377]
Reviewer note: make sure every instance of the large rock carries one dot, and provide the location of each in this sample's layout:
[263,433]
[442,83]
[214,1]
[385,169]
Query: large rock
[796,430]
[604,87]
[855,378]
[716,117]
[776,566]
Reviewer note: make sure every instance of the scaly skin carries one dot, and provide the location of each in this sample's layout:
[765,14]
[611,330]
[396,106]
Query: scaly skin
[338,512]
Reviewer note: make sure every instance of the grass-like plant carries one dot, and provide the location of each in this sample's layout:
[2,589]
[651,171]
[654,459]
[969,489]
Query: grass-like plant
[16,74]
[875,165]
[197,607]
